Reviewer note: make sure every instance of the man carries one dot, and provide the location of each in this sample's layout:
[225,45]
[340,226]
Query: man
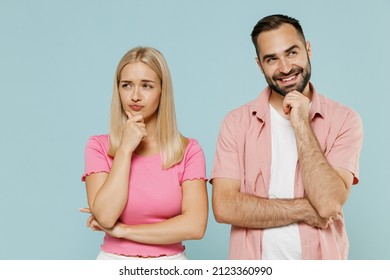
[286,161]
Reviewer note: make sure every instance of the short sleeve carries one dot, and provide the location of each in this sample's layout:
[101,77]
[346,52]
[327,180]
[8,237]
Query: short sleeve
[96,157]
[194,162]
[226,160]
[346,149]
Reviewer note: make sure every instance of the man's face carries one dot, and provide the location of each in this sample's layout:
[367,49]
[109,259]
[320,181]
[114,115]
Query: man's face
[284,59]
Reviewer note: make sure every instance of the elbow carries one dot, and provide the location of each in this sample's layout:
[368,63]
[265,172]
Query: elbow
[196,232]
[105,218]
[330,207]
[105,221]
[219,214]
[329,210]
[223,205]
[197,228]
[219,218]
[221,210]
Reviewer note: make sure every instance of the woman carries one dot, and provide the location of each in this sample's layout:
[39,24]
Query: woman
[146,183]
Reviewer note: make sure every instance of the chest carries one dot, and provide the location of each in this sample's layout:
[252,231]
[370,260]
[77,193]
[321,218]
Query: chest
[154,194]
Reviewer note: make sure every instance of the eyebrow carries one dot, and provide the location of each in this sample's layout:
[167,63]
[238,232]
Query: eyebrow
[144,81]
[274,54]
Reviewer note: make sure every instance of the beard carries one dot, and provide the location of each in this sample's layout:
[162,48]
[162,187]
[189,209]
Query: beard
[298,86]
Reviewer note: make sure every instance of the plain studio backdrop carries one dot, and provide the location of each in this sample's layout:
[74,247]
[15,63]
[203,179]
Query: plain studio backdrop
[57,63]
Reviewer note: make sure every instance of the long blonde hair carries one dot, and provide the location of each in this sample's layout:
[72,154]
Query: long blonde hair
[172,144]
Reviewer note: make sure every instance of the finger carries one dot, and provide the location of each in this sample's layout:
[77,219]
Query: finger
[142,129]
[85,210]
[89,220]
[138,118]
[129,116]
[286,106]
[140,124]
[95,225]
[294,92]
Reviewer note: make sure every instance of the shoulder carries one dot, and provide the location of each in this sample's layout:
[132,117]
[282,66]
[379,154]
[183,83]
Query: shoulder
[257,107]
[339,119]
[101,141]
[244,111]
[239,114]
[193,146]
[103,138]
[193,151]
[338,111]
[238,120]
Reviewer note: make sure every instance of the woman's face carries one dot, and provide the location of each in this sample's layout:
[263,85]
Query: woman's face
[140,90]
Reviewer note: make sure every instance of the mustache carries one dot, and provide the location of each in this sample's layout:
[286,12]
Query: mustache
[293,71]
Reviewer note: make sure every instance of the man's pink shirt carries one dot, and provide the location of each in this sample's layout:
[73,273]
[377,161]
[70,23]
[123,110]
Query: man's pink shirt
[244,153]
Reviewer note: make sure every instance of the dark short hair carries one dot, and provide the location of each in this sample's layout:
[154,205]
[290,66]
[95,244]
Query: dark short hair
[274,22]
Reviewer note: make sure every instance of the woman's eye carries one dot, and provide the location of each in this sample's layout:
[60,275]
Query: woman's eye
[148,86]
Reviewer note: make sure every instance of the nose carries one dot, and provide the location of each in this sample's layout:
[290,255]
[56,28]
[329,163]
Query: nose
[284,66]
[136,95]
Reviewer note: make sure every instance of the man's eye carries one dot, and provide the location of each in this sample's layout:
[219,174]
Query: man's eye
[271,60]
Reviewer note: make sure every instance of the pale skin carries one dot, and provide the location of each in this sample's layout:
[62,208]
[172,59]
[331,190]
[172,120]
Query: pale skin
[281,51]
[107,193]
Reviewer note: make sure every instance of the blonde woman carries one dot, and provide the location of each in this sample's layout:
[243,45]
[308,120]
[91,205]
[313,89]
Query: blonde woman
[146,183]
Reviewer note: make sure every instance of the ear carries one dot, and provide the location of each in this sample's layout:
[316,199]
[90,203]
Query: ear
[259,64]
[308,49]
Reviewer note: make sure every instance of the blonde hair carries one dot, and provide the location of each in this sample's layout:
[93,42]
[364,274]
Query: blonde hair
[172,144]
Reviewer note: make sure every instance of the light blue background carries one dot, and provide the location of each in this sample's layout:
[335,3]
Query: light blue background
[57,63]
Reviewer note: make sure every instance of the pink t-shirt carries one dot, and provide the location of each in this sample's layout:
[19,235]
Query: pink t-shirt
[155,194]
[244,153]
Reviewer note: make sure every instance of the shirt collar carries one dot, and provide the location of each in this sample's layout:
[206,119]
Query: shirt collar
[317,108]
[260,106]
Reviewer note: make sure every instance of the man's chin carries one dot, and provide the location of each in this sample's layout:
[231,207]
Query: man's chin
[284,91]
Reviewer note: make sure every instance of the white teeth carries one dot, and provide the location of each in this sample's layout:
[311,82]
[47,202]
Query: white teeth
[288,79]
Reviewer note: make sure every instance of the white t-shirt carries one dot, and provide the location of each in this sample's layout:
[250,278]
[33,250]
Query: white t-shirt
[282,243]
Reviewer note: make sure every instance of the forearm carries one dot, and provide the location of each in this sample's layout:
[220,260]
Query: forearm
[190,224]
[173,230]
[246,210]
[323,185]
[111,199]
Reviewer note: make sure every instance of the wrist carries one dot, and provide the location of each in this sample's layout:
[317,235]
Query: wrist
[301,126]
[310,213]
[303,207]
[124,151]
[123,231]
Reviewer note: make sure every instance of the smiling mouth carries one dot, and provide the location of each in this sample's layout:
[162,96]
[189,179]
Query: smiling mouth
[289,79]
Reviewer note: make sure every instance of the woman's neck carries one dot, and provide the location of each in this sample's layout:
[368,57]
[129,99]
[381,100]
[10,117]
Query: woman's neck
[149,145]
